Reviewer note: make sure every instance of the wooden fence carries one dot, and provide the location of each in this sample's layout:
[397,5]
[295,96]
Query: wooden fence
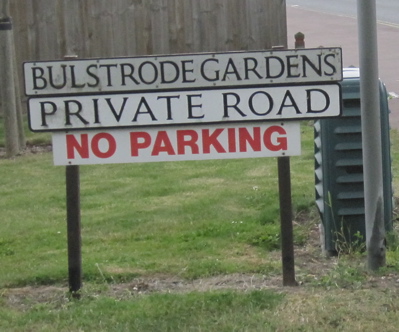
[50,29]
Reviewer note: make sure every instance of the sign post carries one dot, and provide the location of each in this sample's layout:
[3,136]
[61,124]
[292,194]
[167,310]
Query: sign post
[286,228]
[73,229]
[181,107]
[287,242]
[74,238]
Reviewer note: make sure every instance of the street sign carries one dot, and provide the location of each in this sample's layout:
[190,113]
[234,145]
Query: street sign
[183,71]
[184,107]
[174,143]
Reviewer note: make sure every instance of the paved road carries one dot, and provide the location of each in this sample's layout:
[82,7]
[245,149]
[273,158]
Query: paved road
[387,10]
[333,23]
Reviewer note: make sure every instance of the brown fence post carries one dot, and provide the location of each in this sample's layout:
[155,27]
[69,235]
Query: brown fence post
[7,71]
[299,40]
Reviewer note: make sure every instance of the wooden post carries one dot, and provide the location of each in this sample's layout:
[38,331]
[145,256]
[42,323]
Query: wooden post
[18,103]
[7,71]
[299,40]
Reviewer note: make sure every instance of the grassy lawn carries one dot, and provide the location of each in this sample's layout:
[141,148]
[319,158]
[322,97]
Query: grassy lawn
[183,246]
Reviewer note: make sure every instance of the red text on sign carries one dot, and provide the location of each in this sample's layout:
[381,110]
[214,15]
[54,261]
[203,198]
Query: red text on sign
[83,148]
[206,141]
[183,142]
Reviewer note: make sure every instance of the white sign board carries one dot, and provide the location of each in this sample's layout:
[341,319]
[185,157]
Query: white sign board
[186,107]
[183,71]
[176,143]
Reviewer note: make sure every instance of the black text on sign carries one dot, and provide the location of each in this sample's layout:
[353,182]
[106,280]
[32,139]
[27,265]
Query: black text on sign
[185,107]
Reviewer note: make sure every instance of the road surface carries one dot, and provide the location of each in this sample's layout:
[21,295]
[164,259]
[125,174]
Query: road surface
[387,10]
[333,23]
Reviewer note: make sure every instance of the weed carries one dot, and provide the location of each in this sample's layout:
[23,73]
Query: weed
[346,274]
[392,238]
[345,246]
[346,242]
[269,239]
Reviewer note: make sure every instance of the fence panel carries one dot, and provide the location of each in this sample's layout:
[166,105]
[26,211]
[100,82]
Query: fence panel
[50,29]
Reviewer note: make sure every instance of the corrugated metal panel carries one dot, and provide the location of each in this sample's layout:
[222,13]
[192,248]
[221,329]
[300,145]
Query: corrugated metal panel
[339,186]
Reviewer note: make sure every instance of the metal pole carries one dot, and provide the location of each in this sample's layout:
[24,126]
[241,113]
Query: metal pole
[73,229]
[371,134]
[284,183]
[72,178]
[287,237]
[286,228]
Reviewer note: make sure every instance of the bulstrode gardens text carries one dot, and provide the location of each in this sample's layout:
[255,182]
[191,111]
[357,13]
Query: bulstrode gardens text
[181,71]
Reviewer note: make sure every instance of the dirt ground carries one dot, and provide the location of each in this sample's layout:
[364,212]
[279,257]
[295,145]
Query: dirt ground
[30,149]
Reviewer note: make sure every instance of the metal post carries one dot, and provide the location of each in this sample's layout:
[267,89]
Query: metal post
[73,229]
[287,238]
[72,177]
[284,182]
[371,133]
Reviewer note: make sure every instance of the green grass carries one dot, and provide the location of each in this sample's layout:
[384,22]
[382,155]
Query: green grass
[182,221]
[192,219]
[193,223]
[217,311]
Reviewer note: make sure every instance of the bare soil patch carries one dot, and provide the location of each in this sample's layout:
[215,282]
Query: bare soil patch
[30,149]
